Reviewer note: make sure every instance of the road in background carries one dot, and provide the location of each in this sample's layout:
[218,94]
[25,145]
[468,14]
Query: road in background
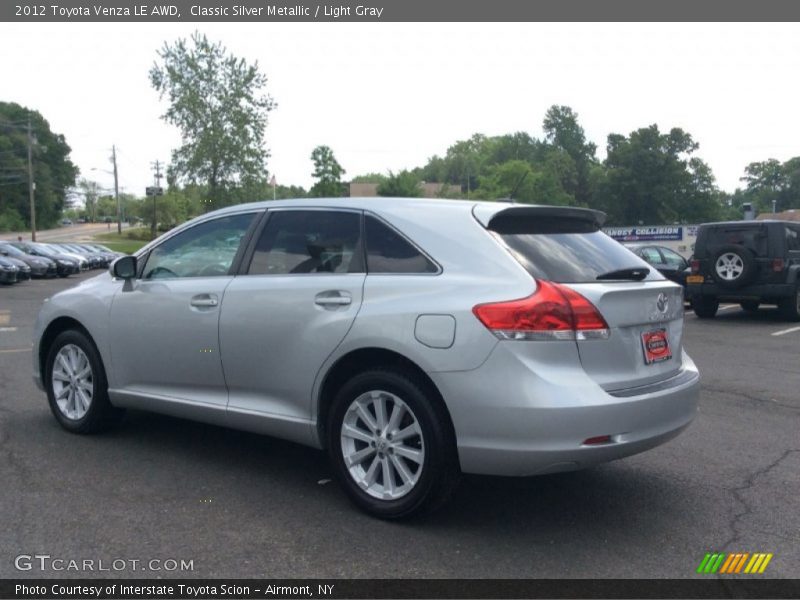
[242,505]
[77,232]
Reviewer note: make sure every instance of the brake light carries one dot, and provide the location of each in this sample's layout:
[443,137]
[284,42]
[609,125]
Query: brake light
[552,312]
[777,265]
[695,264]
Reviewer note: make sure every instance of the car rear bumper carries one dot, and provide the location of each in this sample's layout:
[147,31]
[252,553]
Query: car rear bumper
[513,419]
[748,292]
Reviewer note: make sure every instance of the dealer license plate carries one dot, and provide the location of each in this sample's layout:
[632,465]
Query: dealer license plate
[656,348]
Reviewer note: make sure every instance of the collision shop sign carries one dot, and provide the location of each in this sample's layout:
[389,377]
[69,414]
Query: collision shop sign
[645,234]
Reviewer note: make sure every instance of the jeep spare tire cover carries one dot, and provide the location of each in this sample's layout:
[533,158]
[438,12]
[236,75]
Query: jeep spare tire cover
[733,266]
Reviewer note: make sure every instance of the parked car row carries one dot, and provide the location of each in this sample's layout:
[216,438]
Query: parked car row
[20,261]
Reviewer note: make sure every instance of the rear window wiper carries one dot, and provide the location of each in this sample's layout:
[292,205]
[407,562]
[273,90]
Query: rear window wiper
[634,273]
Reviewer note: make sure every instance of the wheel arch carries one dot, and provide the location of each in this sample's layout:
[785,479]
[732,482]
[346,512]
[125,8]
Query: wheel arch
[51,332]
[363,359]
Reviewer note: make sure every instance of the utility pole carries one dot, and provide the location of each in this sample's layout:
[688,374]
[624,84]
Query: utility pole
[157,177]
[31,184]
[116,188]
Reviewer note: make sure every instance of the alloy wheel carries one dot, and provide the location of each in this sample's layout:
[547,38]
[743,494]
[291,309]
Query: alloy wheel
[382,445]
[72,381]
[729,266]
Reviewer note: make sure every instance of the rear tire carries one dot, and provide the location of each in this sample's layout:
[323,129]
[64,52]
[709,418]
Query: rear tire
[383,474]
[789,308]
[750,305]
[705,307]
[77,390]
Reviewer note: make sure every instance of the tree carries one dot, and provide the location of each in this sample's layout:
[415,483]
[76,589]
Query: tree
[652,178]
[53,171]
[217,102]
[562,130]
[90,190]
[328,173]
[772,181]
[403,185]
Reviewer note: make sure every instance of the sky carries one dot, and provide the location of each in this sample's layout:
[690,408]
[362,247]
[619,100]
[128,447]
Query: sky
[388,96]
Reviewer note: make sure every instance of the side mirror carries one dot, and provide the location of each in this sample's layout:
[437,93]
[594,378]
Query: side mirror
[124,267]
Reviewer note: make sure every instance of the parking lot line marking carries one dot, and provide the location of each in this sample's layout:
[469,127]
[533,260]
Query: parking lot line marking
[8,328]
[785,331]
[10,350]
[728,306]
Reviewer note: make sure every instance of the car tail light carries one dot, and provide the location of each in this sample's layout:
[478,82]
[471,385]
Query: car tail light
[777,265]
[552,312]
[695,264]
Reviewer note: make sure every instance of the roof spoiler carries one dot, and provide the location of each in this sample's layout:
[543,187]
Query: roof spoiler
[500,216]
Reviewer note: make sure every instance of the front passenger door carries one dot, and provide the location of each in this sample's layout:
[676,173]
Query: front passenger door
[164,325]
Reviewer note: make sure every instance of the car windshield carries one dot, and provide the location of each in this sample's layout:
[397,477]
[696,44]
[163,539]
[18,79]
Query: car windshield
[11,250]
[44,249]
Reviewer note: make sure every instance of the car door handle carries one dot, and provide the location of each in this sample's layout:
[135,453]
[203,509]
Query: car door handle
[332,299]
[204,301]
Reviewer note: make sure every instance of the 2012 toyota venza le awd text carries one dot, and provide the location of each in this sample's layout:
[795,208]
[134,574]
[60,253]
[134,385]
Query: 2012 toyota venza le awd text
[413,339]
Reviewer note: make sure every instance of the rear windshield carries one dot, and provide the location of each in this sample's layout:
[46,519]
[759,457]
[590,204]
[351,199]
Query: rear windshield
[752,238]
[572,257]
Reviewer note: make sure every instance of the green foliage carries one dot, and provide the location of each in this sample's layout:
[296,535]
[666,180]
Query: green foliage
[217,102]
[369,178]
[652,178]
[563,132]
[53,171]
[328,173]
[770,181]
[403,185]
[10,220]
[90,191]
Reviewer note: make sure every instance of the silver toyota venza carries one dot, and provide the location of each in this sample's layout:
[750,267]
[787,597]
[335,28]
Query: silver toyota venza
[413,339]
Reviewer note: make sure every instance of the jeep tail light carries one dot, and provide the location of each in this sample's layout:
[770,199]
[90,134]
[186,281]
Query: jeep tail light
[695,264]
[552,312]
[777,265]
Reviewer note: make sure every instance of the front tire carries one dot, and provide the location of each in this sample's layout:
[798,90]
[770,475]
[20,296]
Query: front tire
[391,444]
[705,307]
[77,390]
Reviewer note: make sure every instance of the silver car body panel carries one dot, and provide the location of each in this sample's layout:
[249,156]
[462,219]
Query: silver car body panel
[258,358]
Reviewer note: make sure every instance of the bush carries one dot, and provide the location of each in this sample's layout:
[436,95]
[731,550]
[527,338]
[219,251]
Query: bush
[11,221]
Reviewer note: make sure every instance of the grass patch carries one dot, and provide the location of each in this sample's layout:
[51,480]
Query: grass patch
[120,243]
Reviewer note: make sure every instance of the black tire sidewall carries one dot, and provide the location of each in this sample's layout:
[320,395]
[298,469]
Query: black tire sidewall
[99,406]
[705,307]
[748,266]
[439,446]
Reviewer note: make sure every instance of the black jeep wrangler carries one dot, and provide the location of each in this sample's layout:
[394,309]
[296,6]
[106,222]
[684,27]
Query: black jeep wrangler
[749,262]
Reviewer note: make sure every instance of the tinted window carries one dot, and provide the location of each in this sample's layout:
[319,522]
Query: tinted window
[792,239]
[651,255]
[674,259]
[309,241]
[572,257]
[752,238]
[389,252]
[205,250]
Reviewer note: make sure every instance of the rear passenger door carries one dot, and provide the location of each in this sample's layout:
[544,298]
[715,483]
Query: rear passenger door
[292,304]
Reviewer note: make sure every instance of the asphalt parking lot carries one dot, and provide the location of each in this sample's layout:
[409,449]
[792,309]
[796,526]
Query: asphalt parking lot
[240,505]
